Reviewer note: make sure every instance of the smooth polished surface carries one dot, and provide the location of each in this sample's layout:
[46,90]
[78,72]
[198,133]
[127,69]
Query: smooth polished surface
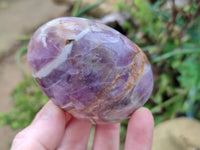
[89,69]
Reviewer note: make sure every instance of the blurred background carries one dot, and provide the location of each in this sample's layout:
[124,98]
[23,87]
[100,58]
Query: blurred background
[168,31]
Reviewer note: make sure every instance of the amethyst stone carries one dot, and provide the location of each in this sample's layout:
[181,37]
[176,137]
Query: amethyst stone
[89,69]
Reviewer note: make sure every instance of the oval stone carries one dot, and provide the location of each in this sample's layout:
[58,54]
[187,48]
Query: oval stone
[89,69]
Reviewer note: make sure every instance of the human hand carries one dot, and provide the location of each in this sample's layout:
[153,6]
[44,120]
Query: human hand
[53,129]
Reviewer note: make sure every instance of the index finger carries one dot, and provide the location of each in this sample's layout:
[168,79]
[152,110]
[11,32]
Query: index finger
[45,132]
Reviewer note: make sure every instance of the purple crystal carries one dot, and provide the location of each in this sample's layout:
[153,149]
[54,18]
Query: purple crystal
[89,69]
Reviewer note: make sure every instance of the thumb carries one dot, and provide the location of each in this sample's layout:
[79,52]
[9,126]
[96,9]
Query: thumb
[45,132]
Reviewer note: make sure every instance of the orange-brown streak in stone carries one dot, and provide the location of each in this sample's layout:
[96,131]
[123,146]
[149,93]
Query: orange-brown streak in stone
[128,87]
[68,41]
[135,74]
[132,67]
[144,57]
[130,84]
[100,95]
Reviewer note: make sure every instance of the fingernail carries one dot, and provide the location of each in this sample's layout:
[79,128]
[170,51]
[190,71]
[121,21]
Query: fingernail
[142,109]
[48,111]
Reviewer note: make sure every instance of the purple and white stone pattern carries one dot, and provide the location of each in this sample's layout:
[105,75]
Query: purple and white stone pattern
[89,69]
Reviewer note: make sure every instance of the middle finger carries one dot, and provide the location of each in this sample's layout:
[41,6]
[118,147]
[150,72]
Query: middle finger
[76,135]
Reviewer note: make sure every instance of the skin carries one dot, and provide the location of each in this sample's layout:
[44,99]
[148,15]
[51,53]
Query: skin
[53,129]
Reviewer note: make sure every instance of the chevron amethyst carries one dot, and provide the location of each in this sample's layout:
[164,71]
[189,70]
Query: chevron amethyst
[89,69]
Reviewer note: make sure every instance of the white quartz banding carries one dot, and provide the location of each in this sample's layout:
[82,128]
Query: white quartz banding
[42,35]
[43,72]
[46,70]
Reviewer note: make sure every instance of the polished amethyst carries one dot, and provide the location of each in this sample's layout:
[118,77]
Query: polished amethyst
[89,69]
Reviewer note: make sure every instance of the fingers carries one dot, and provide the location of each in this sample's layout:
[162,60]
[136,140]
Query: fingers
[76,135]
[45,132]
[140,130]
[49,128]
[106,137]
